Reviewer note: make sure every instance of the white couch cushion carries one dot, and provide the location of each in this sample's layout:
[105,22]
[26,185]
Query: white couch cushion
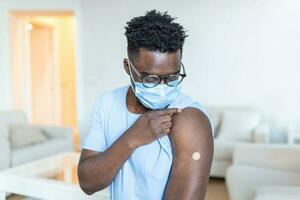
[37,151]
[277,192]
[24,135]
[241,180]
[273,156]
[215,115]
[276,197]
[238,125]
[223,149]
[219,167]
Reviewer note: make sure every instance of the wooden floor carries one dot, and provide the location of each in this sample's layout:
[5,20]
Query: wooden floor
[216,190]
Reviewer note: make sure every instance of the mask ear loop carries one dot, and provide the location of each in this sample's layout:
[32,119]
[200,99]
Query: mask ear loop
[130,72]
[131,65]
[132,81]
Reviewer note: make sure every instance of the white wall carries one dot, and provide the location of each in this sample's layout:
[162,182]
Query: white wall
[239,52]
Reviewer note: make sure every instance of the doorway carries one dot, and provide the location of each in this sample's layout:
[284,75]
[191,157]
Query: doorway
[44,67]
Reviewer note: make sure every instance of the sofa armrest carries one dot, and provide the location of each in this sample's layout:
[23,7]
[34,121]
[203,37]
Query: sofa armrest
[57,131]
[274,156]
[5,147]
[277,192]
[5,154]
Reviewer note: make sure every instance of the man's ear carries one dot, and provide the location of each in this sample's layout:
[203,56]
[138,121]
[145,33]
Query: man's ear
[126,65]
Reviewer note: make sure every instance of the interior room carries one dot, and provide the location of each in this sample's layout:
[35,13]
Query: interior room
[57,57]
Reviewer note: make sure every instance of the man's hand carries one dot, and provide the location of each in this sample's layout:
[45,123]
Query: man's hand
[152,125]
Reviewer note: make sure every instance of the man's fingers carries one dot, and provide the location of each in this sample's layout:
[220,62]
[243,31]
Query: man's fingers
[163,118]
[169,111]
[166,125]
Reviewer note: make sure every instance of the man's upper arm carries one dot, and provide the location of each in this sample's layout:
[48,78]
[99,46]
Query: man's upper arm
[95,139]
[94,143]
[192,146]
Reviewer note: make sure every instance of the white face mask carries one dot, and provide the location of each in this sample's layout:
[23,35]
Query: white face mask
[157,97]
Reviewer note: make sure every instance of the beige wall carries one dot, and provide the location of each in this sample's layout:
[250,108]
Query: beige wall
[66,62]
[42,75]
[51,81]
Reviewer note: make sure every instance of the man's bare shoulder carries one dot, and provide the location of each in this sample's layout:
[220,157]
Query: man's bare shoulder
[190,129]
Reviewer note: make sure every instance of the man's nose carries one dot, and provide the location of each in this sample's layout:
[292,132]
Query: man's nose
[163,81]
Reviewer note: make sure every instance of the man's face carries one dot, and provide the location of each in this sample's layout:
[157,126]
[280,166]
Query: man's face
[155,63]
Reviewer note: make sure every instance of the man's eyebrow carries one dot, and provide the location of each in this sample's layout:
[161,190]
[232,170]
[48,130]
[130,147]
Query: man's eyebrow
[147,73]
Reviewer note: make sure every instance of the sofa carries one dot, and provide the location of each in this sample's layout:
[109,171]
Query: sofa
[55,139]
[264,172]
[233,126]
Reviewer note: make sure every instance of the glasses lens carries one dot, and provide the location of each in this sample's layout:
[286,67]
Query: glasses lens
[151,81]
[174,80]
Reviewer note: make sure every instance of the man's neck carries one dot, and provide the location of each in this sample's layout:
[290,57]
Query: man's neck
[133,104]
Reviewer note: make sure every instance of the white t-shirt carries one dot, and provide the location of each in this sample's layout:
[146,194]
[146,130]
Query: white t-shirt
[145,174]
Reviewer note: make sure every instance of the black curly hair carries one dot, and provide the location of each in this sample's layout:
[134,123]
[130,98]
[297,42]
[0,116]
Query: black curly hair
[155,31]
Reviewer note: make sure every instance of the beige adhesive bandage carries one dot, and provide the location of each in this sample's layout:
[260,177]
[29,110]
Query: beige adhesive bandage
[196,155]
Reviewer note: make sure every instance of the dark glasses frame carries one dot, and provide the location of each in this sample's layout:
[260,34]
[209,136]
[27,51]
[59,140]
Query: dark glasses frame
[144,75]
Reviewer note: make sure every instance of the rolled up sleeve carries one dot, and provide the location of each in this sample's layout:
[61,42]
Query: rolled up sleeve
[95,140]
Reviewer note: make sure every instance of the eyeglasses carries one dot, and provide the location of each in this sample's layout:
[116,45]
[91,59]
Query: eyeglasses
[151,80]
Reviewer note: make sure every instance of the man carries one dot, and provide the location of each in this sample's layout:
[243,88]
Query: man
[149,141]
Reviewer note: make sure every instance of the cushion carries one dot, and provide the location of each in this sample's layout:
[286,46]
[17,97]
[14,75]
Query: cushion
[241,180]
[25,135]
[41,150]
[269,189]
[223,149]
[215,117]
[238,125]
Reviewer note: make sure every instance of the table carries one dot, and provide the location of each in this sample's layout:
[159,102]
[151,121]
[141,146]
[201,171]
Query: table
[51,178]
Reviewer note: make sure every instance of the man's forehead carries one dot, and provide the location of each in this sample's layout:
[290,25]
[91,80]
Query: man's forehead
[158,62]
